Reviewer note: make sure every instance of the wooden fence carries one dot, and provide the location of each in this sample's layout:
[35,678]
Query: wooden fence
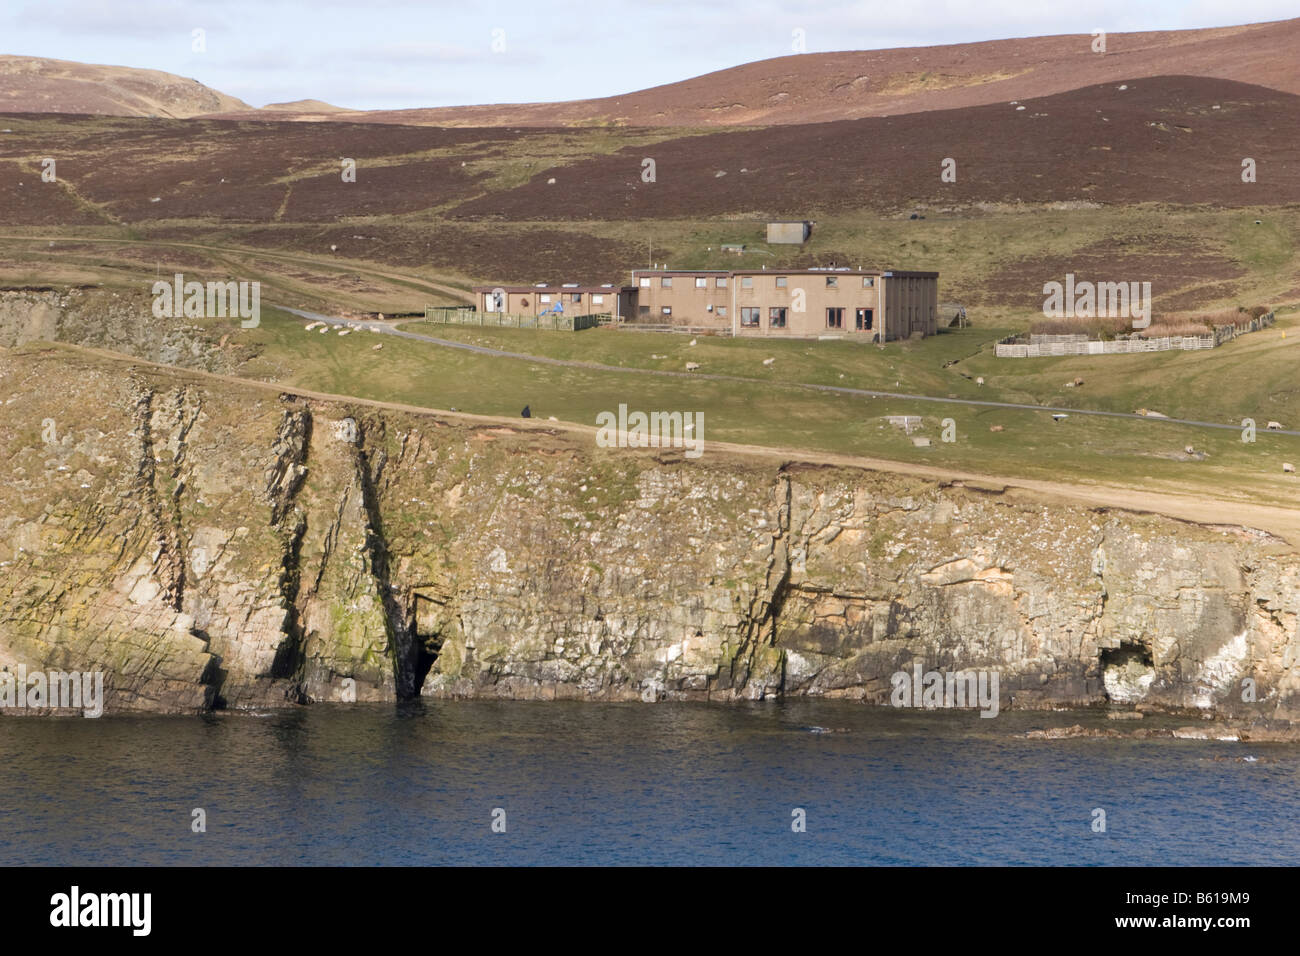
[1044,346]
[511,320]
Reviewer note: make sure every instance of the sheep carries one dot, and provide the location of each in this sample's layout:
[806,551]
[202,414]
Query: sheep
[1189,450]
[1274,426]
[692,366]
[1288,468]
[980,380]
[995,428]
[375,348]
[768,361]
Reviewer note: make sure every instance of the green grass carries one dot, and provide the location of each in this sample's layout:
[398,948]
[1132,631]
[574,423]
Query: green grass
[914,367]
[1138,453]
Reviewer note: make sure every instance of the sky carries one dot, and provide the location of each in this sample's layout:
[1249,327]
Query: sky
[394,54]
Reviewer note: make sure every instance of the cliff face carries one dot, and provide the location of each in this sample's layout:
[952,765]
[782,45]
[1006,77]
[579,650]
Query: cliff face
[207,544]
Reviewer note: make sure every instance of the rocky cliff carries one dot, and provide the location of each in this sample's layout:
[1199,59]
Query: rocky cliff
[208,544]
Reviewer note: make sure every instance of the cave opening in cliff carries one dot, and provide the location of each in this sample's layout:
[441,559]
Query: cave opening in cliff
[1127,672]
[426,655]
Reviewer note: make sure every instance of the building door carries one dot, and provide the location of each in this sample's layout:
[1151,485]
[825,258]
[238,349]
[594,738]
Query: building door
[863,320]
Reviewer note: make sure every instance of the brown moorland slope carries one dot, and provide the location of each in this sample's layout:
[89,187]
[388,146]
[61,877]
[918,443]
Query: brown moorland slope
[1174,140]
[31,84]
[1165,139]
[819,87]
[804,88]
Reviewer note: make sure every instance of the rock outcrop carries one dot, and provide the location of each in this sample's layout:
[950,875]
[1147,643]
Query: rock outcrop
[207,544]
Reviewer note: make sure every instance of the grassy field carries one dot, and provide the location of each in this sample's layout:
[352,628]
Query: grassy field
[777,412]
[1252,376]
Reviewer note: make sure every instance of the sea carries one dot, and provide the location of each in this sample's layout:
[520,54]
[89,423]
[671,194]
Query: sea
[501,783]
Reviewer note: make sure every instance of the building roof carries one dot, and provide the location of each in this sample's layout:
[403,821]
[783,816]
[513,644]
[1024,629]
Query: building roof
[808,272]
[682,272]
[548,289]
[814,271]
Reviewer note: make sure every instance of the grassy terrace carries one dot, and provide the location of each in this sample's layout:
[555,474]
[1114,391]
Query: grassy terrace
[1244,378]
[1251,376]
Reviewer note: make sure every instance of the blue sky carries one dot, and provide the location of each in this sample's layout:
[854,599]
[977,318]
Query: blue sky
[389,54]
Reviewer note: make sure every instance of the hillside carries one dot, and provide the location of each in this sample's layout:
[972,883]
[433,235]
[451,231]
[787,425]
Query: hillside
[37,85]
[1173,139]
[819,87]
[804,88]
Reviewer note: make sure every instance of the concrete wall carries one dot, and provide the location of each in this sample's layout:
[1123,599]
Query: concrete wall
[911,304]
[788,232]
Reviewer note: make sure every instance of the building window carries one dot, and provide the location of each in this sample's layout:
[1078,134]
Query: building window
[747,282]
[721,282]
[544,299]
[722,311]
[575,297]
[597,299]
[776,317]
[645,282]
[749,317]
[835,318]
[668,310]
[832,282]
[701,282]
[863,321]
[868,282]
[780,282]
[666,282]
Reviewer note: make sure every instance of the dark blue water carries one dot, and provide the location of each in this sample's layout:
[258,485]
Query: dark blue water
[613,783]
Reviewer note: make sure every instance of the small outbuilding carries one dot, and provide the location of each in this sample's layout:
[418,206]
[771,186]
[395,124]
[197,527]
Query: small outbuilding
[789,232]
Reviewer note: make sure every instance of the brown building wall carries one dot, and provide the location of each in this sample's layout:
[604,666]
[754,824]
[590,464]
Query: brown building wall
[691,303]
[807,300]
[872,306]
